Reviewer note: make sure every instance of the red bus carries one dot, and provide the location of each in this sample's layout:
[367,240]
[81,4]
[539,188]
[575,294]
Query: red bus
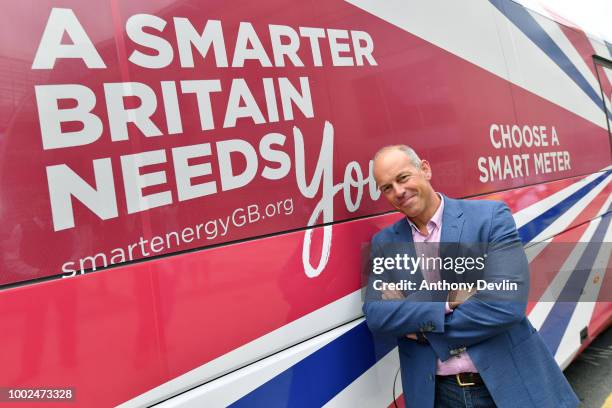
[187,197]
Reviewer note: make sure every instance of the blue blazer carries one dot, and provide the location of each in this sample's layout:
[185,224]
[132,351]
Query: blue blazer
[515,364]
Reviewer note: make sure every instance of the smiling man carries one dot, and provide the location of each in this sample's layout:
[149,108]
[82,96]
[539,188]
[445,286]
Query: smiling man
[460,348]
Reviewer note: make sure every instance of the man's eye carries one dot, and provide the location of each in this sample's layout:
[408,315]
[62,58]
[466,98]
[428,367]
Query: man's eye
[403,177]
[385,189]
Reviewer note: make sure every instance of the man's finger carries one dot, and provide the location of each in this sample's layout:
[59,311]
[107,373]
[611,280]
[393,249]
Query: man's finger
[392,294]
[456,297]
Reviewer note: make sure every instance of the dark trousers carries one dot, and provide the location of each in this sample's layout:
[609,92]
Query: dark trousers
[450,395]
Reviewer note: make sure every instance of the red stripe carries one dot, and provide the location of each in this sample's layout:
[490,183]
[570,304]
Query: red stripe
[582,44]
[602,314]
[548,263]
[523,197]
[561,20]
[398,403]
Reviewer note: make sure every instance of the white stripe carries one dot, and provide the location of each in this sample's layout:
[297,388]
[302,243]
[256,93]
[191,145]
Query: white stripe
[530,68]
[341,311]
[570,342]
[374,388]
[536,6]
[529,213]
[543,307]
[539,244]
[562,222]
[533,251]
[474,30]
[465,28]
[553,29]
[594,38]
[545,304]
[601,50]
[230,388]
[604,208]
[569,216]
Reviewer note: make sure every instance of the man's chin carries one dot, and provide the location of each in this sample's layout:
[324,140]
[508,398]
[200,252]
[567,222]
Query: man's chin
[408,212]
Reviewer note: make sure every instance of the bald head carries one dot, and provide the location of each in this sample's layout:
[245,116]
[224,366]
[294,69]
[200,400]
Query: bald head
[407,150]
[404,180]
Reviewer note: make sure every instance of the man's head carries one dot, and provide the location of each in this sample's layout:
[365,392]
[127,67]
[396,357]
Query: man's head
[403,179]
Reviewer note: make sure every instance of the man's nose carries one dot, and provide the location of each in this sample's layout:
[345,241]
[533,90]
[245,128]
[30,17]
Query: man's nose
[398,190]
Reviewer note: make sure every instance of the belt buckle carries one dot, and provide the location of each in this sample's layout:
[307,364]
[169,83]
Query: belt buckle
[461,383]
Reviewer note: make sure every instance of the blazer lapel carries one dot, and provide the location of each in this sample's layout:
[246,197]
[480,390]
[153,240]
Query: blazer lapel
[404,238]
[452,225]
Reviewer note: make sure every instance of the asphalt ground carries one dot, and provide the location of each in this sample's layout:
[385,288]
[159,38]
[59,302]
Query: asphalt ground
[591,373]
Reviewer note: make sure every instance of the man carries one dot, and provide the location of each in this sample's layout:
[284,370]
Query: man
[464,347]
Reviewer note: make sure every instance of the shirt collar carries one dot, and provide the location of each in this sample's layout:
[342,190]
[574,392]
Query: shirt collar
[436,219]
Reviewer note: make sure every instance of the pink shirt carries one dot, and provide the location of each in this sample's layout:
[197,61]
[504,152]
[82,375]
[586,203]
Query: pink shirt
[461,363]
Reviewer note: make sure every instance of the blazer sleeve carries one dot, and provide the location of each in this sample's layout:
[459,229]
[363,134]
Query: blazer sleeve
[399,317]
[489,312]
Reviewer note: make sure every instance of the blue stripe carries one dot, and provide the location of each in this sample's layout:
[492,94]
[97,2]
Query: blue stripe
[530,230]
[525,22]
[315,380]
[558,319]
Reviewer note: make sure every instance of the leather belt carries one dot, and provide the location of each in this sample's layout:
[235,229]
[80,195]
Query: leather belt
[464,379]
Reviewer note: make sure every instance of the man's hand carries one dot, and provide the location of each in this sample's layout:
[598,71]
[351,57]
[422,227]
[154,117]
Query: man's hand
[411,336]
[392,295]
[457,297]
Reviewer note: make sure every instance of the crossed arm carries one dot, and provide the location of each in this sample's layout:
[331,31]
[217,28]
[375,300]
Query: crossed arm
[482,316]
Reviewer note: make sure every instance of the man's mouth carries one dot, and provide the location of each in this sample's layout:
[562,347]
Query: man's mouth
[406,200]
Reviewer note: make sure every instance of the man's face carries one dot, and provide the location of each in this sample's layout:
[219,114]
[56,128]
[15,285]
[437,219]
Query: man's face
[404,185]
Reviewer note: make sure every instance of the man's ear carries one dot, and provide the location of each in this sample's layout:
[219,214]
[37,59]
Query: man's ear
[426,169]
